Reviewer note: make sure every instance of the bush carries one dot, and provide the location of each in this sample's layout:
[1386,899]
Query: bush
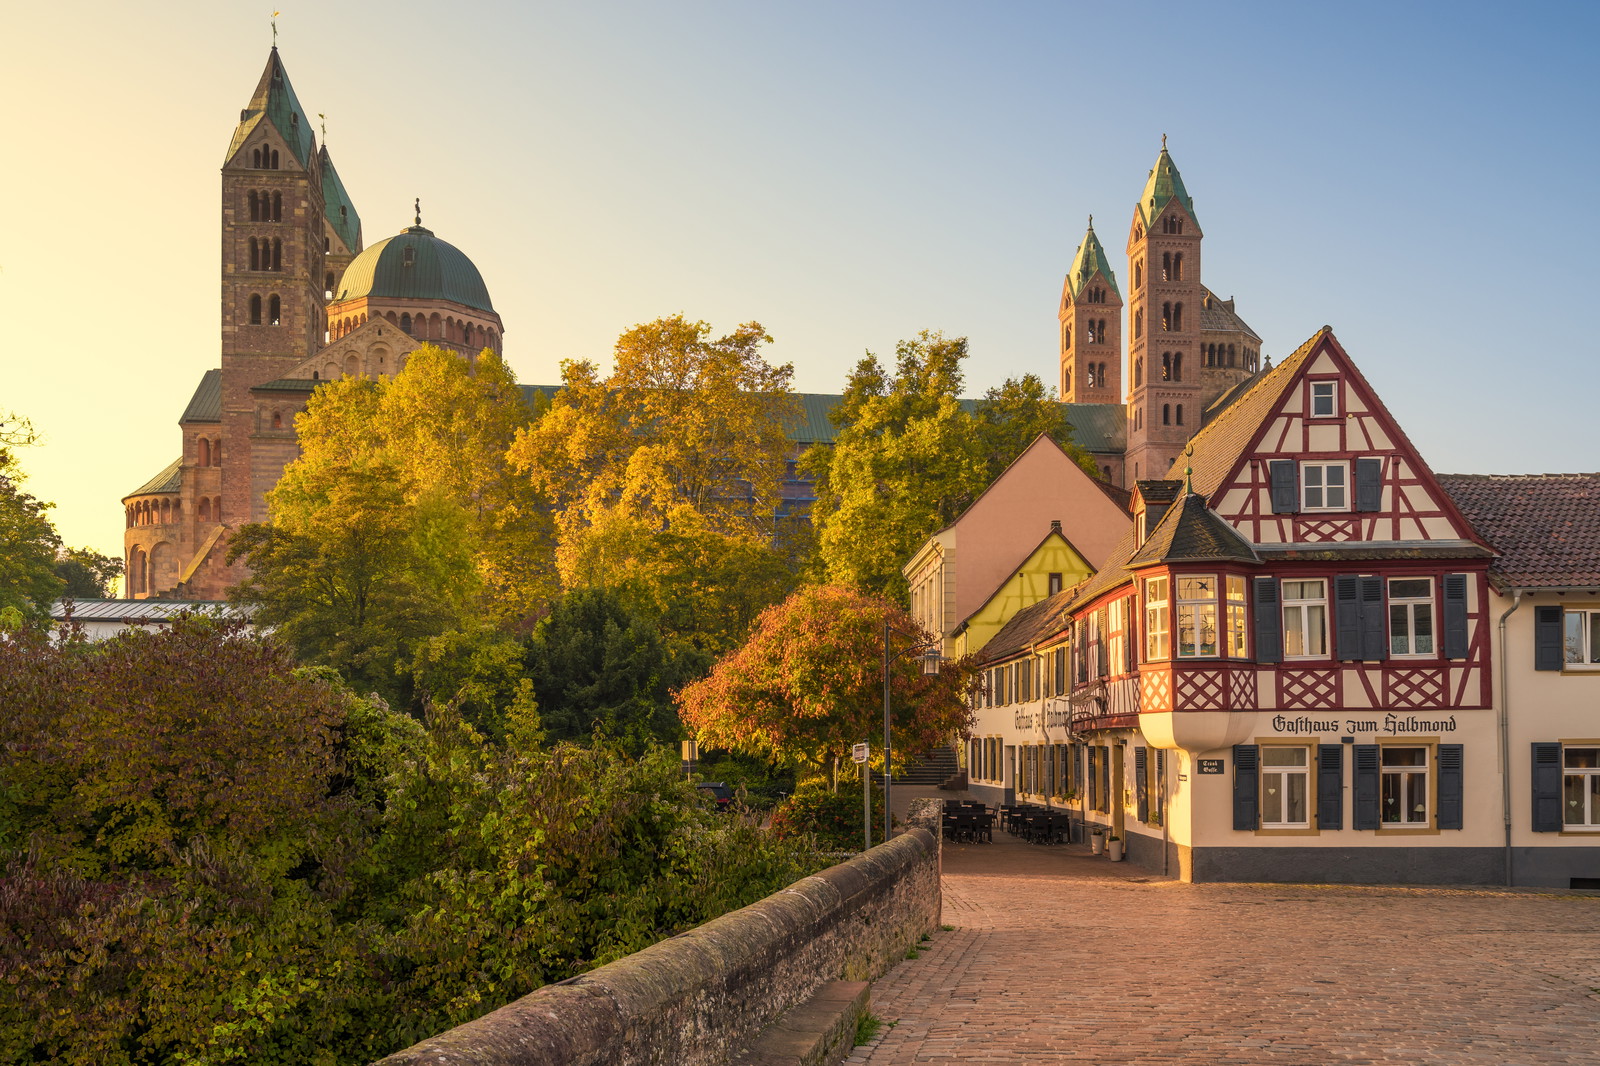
[833,819]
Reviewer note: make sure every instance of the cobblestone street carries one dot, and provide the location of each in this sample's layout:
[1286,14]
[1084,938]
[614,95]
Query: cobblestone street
[1057,956]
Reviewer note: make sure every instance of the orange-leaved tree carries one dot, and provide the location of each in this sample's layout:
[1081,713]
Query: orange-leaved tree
[808,684]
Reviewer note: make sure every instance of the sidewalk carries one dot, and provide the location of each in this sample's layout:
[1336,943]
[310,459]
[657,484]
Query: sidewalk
[1057,956]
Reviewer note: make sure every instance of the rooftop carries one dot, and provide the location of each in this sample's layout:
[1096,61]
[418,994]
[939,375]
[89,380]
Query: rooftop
[1546,527]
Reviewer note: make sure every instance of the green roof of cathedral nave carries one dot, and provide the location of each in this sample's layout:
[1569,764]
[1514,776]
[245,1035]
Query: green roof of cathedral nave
[274,101]
[1091,258]
[415,265]
[1164,185]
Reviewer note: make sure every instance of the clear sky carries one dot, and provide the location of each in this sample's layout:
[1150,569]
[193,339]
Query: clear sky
[1413,174]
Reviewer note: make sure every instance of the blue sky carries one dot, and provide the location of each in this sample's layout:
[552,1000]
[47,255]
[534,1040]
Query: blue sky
[1414,175]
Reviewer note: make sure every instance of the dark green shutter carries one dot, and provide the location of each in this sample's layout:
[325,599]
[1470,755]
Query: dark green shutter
[1547,638]
[1246,783]
[1269,621]
[1330,786]
[1140,784]
[1364,811]
[1455,616]
[1369,484]
[1285,486]
[1547,785]
[1107,800]
[1451,773]
[1347,616]
[1374,620]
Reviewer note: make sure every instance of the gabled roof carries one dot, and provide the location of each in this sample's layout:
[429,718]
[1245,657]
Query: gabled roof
[1546,527]
[169,480]
[1028,626]
[206,403]
[1218,316]
[1089,261]
[274,102]
[1213,452]
[346,222]
[1163,186]
[1191,533]
[1054,534]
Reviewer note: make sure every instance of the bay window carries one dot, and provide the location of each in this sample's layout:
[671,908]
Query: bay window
[1235,622]
[1197,615]
[1157,618]
[1305,619]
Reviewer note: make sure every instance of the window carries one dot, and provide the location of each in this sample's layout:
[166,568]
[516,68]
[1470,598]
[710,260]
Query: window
[1411,616]
[1138,323]
[1055,582]
[1285,787]
[1157,618]
[255,310]
[1180,414]
[1117,637]
[1197,616]
[274,311]
[1580,639]
[1235,622]
[1305,619]
[1323,400]
[1580,788]
[1324,487]
[1404,787]
[1166,414]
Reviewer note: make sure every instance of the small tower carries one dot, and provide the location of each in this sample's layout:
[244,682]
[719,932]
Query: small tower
[1091,327]
[1166,301]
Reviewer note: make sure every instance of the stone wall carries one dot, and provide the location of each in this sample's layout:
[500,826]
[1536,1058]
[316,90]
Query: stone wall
[702,996]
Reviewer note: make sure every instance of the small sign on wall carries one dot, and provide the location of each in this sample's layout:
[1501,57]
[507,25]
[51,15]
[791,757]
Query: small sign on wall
[1211,766]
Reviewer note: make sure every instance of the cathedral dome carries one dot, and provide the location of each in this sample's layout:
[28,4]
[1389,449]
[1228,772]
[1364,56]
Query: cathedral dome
[414,265]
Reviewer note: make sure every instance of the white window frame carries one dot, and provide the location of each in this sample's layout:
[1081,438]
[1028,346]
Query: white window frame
[1322,492]
[1116,640]
[1157,619]
[1299,609]
[1409,606]
[1331,396]
[1402,781]
[1585,796]
[1195,608]
[1580,638]
[1236,626]
[1284,778]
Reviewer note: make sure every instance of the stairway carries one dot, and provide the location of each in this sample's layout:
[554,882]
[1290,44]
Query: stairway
[931,770]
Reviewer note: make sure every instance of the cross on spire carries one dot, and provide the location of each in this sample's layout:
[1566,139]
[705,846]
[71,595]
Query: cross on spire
[275,29]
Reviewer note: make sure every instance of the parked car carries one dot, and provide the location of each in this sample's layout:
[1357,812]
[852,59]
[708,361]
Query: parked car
[718,791]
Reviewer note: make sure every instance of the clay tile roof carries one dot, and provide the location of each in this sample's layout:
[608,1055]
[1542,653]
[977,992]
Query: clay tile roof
[1193,532]
[1546,527]
[1220,442]
[1113,573]
[1028,626]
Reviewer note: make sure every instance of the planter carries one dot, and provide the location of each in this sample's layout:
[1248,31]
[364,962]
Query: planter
[1097,842]
[1115,847]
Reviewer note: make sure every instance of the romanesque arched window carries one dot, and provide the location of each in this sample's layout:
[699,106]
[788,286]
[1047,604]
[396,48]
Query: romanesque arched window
[272,160]
[327,286]
[255,310]
[277,208]
[205,509]
[1166,266]
[1180,414]
[1177,318]
[1177,366]
[255,255]
[255,158]
[1231,356]
[274,311]
[1138,371]
[1102,375]
[1138,274]
[1166,366]
[277,255]
[255,206]
[1166,414]
[1177,266]
[405,323]
[1166,317]
[1138,323]
[277,420]
[1066,382]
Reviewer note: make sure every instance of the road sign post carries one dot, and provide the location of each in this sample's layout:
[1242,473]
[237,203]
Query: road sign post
[860,753]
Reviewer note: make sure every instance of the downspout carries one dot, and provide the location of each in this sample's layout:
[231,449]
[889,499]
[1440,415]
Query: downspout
[1505,731]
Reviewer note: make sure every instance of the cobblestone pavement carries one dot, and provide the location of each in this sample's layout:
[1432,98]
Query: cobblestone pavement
[1060,957]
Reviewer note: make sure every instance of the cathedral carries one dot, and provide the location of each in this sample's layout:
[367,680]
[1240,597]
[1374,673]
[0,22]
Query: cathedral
[303,301]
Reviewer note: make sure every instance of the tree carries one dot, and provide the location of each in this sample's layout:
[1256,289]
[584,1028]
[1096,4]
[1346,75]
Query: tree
[910,456]
[28,539]
[88,574]
[808,684]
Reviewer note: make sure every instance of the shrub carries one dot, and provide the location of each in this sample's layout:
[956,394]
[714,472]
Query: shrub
[834,819]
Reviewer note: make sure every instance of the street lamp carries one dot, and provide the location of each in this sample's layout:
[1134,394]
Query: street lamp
[929,653]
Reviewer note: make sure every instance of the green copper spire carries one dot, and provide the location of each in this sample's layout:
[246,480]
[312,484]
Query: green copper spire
[1091,258]
[274,102]
[1165,185]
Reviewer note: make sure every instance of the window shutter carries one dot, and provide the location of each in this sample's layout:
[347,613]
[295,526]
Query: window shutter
[1347,616]
[1374,620]
[1107,801]
[1246,806]
[1140,788]
[1547,638]
[1285,486]
[1161,782]
[1455,616]
[1130,642]
[1547,785]
[1369,484]
[1330,786]
[1269,621]
[1451,772]
[1364,812]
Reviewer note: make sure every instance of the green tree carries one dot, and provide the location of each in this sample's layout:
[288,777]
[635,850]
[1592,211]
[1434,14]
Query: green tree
[88,574]
[808,684]
[28,540]
[910,456]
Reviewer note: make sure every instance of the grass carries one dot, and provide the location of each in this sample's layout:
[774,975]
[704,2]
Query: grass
[868,1026]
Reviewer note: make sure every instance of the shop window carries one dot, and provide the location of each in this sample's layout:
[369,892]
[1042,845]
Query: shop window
[1157,619]
[1324,487]
[1411,616]
[1305,619]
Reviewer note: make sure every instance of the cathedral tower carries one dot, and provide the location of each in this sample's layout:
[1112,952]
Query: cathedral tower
[1166,300]
[1091,327]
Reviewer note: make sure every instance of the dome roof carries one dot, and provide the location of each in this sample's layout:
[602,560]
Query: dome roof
[414,265]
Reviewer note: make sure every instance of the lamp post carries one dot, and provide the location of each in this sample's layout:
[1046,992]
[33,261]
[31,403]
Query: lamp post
[930,658]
